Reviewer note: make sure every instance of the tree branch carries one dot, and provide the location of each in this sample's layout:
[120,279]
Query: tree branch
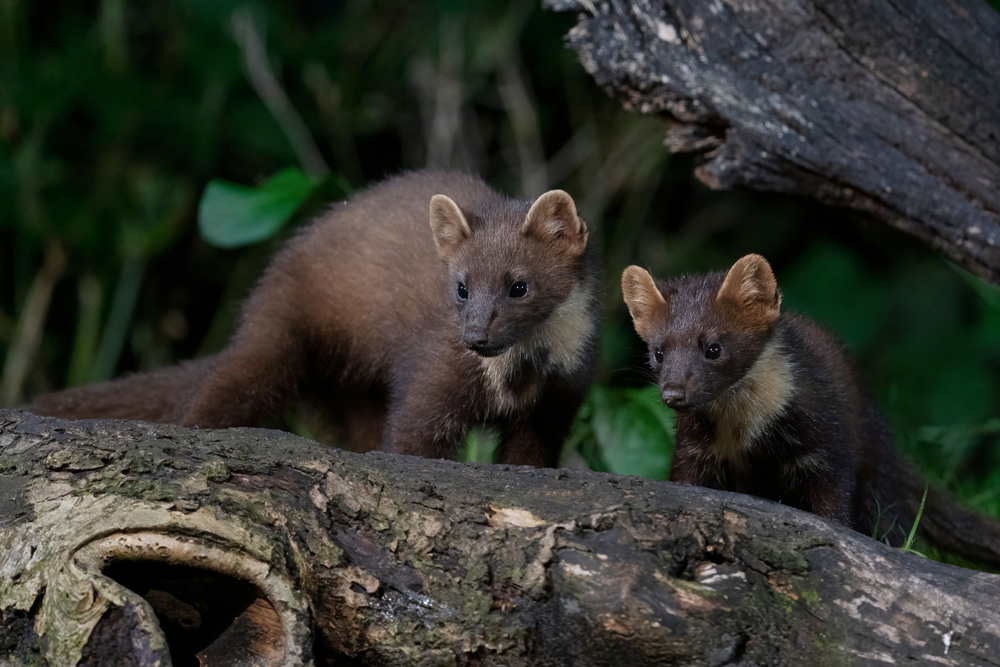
[888,108]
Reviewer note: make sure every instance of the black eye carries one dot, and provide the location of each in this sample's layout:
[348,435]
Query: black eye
[658,355]
[463,293]
[519,289]
[714,351]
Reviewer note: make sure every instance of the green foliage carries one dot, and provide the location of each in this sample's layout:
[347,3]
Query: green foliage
[818,282]
[621,430]
[964,458]
[481,446]
[232,215]
[626,431]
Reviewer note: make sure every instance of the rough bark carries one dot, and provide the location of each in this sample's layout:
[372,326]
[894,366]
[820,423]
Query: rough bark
[888,107]
[131,543]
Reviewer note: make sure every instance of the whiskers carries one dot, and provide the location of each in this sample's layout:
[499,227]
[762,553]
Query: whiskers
[644,372]
[638,369]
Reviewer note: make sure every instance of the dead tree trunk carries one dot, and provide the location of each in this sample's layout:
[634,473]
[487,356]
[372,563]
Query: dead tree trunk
[892,108]
[135,544]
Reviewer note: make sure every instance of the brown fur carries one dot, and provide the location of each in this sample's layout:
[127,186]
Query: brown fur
[781,412]
[160,396]
[359,315]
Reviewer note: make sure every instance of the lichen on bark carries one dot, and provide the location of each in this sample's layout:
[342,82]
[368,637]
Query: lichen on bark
[385,559]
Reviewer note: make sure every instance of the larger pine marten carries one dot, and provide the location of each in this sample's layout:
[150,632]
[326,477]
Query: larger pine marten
[406,335]
[769,404]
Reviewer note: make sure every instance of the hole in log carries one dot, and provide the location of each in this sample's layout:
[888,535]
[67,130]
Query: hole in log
[208,618]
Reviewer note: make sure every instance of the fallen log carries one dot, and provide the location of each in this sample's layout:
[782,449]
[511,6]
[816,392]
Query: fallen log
[134,543]
[885,107]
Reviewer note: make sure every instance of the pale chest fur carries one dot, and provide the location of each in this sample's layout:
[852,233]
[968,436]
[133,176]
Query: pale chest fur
[748,408]
[514,379]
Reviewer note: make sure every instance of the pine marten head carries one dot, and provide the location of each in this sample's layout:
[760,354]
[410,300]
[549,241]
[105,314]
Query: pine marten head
[704,332]
[511,265]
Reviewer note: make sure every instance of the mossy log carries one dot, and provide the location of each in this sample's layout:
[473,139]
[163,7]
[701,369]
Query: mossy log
[129,543]
[887,107]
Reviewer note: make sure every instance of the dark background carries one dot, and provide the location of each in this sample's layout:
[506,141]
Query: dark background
[114,115]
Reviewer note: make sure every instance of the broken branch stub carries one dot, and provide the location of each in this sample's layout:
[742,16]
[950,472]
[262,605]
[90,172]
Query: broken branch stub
[887,108]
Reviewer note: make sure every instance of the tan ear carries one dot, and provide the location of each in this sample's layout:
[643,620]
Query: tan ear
[644,300]
[751,290]
[553,218]
[448,225]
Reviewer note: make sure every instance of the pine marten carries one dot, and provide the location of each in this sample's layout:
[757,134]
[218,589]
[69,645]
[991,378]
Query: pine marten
[405,335]
[769,404]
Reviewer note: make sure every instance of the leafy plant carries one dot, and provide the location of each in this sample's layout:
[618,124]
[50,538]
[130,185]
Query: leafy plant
[480,446]
[626,431]
[232,215]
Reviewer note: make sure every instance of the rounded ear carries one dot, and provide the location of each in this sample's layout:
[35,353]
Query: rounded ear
[751,290]
[553,219]
[448,225]
[644,300]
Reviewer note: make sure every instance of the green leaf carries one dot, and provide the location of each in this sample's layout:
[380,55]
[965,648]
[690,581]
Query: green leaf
[232,215]
[481,445]
[633,430]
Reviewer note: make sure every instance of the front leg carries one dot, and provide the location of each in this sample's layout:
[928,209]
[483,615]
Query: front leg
[689,465]
[684,470]
[429,414]
[535,435]
[528,443]
[413,430]
[830,497]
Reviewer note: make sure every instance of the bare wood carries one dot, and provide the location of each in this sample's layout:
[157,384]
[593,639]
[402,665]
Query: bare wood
[399,560]
[891,108]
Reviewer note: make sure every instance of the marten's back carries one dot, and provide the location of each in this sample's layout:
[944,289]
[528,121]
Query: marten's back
[366,274]
[828,385]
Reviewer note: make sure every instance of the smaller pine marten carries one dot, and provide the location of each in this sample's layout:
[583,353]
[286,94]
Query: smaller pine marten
[403,335]
[769,404]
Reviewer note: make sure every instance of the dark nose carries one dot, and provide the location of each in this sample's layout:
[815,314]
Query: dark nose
[476,338]
[672,395]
